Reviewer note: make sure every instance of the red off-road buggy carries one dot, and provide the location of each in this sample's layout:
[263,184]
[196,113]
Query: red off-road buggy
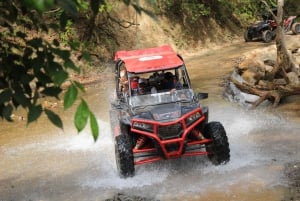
[166,123]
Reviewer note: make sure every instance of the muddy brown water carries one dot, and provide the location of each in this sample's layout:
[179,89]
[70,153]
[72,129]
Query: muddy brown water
[41,162]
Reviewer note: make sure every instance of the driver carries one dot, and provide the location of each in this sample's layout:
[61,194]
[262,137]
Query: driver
[171,82]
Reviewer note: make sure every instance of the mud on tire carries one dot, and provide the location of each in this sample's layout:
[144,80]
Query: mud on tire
[247,36]
[124,156]
[296,28]
[267,36]
[218,150]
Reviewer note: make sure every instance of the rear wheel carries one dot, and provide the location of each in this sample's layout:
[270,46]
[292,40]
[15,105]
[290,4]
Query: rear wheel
[267,36]
[218,150]
[296,28]
[124,156]
[247,36]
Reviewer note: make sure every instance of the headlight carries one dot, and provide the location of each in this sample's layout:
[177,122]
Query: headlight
[191,119]
[143,126]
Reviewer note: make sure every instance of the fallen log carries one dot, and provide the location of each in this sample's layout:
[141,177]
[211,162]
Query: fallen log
[272,93]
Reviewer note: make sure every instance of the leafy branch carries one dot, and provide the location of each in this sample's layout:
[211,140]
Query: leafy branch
[32,66]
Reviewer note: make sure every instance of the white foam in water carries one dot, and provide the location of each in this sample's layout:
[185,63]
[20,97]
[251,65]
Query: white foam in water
[244,154]
[112,180]
[106,173]
[85,141]
[107,176]
[100,169]
[240,127]
[78,142]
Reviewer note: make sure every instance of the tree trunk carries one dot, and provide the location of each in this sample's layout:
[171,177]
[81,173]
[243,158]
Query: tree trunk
[283,62]
[94,7]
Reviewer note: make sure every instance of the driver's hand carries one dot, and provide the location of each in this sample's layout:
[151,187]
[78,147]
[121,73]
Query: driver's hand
[172,91]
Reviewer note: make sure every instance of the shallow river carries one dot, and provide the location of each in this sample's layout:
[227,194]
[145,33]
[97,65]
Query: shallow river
[42,163]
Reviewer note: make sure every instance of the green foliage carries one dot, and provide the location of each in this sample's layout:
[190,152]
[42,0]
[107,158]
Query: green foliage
[54,118]
[194,10]
[106,7]
[292,7]
[32,66]
[81,115]
[244,10]
[83,5]
[34,113]
[191,10]
[94,126]
[40,5]
[68,32]
[68,6]
[81,118]
[70,96]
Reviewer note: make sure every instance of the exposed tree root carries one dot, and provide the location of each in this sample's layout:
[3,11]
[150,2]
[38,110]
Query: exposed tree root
[272,93]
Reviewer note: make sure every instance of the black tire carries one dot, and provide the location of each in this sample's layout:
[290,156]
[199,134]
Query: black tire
[296,28]
[124,156]
[218,150]
[247,36]
[267,36]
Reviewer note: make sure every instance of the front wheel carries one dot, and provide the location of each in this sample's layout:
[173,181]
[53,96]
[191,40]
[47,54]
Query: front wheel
[218,150]
[296,28]
[124,156]
[267,36]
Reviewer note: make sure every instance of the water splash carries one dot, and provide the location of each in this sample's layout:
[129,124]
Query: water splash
[93,163]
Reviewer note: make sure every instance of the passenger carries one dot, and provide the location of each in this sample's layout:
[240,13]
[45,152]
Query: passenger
[142,86]
[177,83]
[153,85]
[123,84]
[168,81]
[134,85]
[158,80]
[171,83]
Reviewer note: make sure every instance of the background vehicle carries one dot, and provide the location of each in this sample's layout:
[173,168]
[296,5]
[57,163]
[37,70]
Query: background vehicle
[166,124]
[265,28]
[290,24]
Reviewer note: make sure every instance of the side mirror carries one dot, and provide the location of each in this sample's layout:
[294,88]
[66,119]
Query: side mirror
[201,96]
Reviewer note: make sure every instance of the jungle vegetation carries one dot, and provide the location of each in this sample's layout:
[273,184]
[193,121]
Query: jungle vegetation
[33,65]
